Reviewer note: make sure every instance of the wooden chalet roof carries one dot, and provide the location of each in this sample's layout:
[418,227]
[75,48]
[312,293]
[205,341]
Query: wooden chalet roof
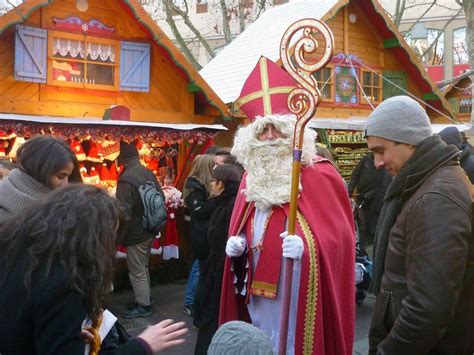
[196,83]
[227,72]
[447,85]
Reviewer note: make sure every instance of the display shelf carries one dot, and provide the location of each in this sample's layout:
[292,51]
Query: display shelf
[348,148]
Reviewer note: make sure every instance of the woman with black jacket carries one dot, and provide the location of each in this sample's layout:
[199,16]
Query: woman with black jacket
[197,189]
[225,185]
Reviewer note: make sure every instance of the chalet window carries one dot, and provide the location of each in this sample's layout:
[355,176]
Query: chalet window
[465,105]
[82,61]
[325,83]
[372,86]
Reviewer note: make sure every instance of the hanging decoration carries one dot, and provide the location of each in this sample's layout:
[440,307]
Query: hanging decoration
[346,86]
[100,133]
[74,23]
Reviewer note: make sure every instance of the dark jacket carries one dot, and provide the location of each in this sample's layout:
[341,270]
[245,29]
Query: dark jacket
[200,209]
[426,298]
[130,197]
[370,184]
[48,319]
[364,178]
[467,163]
[208,292]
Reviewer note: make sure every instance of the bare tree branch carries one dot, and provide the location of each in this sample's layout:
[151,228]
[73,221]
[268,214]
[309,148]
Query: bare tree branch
[187,21]
[440,32]
[225,22]
[182,43]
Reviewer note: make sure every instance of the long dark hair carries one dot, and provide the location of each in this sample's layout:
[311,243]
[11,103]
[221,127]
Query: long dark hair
[227,173]
[43,156]
[75,225]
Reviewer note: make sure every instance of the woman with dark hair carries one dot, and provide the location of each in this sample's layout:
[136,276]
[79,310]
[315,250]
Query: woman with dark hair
[56,267]
[43,164]
[225,185]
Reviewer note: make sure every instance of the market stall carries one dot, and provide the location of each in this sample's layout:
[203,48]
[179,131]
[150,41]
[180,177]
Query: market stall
[97,72]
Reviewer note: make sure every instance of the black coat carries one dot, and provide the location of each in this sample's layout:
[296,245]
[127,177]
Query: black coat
[370,184]
[467,163]
[208,292]
[200,209]
[46,320]
[130,197]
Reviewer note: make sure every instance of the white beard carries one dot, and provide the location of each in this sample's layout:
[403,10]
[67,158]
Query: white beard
[269,163]
[269,168]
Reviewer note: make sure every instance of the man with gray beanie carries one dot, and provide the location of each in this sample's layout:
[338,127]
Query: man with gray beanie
[424,254]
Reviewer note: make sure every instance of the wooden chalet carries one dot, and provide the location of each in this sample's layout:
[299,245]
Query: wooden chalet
[66,65]
[371,62]
[458,92]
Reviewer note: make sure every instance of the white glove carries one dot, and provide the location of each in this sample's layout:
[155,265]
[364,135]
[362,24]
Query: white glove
[292,246]
[235,246]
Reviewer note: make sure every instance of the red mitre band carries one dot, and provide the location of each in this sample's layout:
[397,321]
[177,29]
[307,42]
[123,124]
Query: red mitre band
[266,90]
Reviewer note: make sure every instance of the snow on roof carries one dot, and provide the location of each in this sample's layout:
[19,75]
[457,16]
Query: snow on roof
[227,72]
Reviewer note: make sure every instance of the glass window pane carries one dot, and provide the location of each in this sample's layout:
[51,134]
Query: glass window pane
[72,72]
[367,78]
[68,48]
[97,52]
[326,74]
[326,93]
[376,79]
[376,95]
[100,74]
[460,46]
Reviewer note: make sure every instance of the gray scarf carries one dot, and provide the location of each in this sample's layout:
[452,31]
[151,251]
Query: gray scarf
[429,155]
[17,191]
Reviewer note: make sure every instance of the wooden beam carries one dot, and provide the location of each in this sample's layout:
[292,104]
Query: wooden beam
[346,30]
[430,96]
[192,87]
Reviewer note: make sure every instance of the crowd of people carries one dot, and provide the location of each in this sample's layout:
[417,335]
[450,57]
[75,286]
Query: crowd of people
[58,239]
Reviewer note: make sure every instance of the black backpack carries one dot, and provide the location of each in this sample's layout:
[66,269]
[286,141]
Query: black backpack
[154,210]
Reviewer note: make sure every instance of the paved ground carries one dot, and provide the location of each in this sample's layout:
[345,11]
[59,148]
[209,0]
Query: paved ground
[168,303]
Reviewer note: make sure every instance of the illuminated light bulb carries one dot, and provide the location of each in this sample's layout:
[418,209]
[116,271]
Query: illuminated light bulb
[82,5]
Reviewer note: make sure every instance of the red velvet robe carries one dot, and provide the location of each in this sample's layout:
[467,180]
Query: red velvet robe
[326,300]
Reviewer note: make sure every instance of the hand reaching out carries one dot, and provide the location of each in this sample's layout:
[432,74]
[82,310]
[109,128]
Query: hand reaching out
[164,335]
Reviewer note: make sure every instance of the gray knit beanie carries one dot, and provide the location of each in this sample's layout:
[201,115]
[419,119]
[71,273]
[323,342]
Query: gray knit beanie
[400,119]
[237,337]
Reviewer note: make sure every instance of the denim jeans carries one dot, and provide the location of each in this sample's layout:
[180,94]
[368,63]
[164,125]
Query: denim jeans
[192,284]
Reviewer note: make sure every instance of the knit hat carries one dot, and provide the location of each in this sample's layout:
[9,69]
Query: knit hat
[239,337]
[127,151]
[399,119]
[451,135]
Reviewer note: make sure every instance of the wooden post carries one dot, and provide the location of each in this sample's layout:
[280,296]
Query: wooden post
[302,101]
